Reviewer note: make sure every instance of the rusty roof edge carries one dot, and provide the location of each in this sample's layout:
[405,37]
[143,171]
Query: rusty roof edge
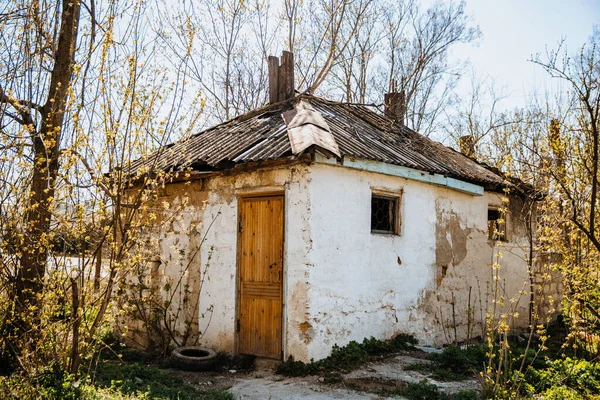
[183,175]
[239,118]
[452,181]
[247,115]
[455,164]
[516,183]
[391,128]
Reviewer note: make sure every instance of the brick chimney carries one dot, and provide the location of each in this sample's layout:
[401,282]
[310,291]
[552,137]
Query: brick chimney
[281,77]
[395,106]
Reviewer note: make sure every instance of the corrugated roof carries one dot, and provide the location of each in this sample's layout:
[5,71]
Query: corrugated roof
[359,132]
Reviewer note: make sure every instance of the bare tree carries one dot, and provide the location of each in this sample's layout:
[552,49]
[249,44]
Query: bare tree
[418,57]
[479,115]
[292,9]
[353,75]
[229,43]
[357,49]
[328,29]
[351,49]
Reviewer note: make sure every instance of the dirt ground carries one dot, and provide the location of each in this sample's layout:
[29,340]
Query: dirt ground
[372,381]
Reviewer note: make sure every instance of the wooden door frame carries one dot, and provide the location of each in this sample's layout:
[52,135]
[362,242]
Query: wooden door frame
[238,297]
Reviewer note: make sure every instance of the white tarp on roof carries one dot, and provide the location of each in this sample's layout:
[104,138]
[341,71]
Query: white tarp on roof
[307,127]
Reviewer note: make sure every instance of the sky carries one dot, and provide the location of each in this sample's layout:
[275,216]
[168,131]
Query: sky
[514,31]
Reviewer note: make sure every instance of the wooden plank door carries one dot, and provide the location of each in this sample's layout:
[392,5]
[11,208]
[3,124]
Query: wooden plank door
[260,276]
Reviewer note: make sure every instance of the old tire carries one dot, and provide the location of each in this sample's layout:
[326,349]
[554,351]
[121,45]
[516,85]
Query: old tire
[193,358]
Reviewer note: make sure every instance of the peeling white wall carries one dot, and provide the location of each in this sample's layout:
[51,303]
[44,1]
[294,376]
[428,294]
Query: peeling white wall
[364,284]
[343,282]
[215,201]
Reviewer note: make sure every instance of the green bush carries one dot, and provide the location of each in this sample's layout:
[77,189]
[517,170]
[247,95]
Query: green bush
[561,393]
[424,390]
[348,357]
[48,384]
[579,376]
[454,363]
[292,367]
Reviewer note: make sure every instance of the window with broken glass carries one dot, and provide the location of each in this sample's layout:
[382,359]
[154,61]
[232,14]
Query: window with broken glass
[384,214]
[496,225]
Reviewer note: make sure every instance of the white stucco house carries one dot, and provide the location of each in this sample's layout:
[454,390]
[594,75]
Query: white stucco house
[327,222]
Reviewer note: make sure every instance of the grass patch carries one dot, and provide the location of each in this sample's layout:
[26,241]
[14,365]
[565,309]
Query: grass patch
[110,381]
[150,382]
[454,363]
[424,390]
[348,357]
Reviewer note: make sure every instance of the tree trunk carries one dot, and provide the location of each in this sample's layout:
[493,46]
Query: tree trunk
[46,146]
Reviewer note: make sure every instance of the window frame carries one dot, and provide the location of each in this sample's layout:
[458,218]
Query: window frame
[396,197]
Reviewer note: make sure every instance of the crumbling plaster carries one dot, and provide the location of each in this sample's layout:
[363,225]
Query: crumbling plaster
[211,218]
[365,284]
[343,282]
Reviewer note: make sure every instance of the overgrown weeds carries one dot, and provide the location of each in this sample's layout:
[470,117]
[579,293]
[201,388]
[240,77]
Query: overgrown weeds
[566,378]
[547,372]
[348,357]
[109,381]
[424,390]
[454,363]
[140,379]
